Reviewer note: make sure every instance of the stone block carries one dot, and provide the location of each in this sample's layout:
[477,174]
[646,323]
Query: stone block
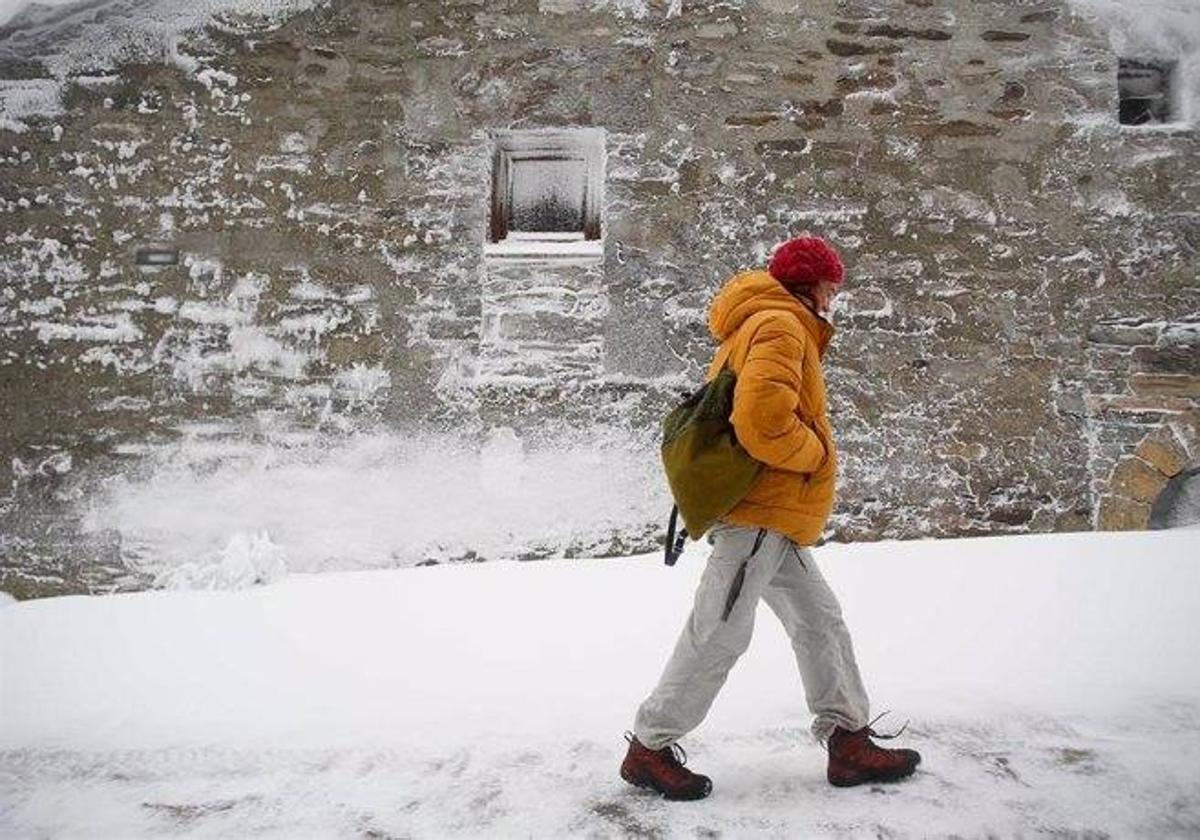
[1013,516]
[554,327]
[797,77]
[1010,114]
[1165,385]
[885,30]
[1128,335]
[1117,514]
[1106,358]
[955,128]
[752,119]
[847,49]
[1187,430]
[1182,334]
[789,146]
[1125,404]
[808,122]
[1069,402]
[453,329]
[744,79]
[1013,91]
[825,108]
[693,63]
[717,31]
[959,449]
[1166,360]
[998,36]
[1163,454]
[1040,17]
[344,350]
[872,80]
[1136,479]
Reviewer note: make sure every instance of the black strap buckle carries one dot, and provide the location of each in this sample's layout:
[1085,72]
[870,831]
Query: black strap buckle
[675,542]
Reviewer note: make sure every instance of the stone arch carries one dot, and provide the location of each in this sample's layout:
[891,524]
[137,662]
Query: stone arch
[1147,486]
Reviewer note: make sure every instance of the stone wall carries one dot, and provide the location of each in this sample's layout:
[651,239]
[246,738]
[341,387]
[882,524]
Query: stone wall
[1019,314]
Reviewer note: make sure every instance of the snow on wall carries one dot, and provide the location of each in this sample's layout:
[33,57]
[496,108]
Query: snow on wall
[23,98]
[86,39]
[214,504]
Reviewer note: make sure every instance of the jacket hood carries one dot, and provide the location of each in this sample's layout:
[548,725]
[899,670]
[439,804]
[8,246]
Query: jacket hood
[751,292]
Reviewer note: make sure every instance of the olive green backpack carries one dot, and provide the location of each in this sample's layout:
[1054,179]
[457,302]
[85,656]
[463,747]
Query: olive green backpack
[708,471]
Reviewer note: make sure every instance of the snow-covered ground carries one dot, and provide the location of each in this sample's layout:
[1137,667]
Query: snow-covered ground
[1052,681]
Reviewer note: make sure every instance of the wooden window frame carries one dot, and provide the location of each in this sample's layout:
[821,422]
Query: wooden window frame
[584,146]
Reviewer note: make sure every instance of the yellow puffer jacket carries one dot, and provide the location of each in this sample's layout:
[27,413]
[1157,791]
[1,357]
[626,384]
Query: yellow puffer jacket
[774,344]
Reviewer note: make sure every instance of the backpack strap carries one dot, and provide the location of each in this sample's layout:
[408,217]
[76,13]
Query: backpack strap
[675,542]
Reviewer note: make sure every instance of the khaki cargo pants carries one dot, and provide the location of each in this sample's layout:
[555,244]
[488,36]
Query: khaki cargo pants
[746,564]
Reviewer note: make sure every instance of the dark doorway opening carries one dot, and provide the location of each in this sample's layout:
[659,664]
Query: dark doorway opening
[1179,502]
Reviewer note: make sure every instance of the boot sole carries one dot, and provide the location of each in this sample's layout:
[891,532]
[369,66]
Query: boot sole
[877,777]
[645,785]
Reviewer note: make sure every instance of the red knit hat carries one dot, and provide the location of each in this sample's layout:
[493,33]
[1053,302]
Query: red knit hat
[806,261]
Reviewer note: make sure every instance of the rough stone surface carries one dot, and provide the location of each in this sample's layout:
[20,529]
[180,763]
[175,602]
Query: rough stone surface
[1164,455]
[1186,429]
[1166,385]
[1015,257]
[1135,479]
[1119,514]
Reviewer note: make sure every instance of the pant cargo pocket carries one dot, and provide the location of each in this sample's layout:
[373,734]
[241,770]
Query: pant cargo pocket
[739,579]
[734,590]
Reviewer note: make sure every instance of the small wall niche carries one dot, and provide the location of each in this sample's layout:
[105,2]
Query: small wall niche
[547,191]
[151,258]
[1146,91]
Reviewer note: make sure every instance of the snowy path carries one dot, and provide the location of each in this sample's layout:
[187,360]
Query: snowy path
[1016,777]
[1052,683]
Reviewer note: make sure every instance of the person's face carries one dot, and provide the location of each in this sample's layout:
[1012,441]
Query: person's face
[822,295]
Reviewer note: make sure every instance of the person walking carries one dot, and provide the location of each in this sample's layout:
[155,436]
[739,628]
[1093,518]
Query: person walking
[773,330]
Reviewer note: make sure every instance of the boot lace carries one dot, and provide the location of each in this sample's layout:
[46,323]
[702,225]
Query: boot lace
[671,759]
[674,754]
[871,728]
[869,731]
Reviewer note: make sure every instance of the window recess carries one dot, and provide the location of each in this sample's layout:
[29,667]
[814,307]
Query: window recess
[547,191]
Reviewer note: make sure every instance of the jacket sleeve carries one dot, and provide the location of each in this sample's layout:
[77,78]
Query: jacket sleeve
[765,400]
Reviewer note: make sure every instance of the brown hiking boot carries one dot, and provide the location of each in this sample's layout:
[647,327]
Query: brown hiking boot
[854,759]
[663,771]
